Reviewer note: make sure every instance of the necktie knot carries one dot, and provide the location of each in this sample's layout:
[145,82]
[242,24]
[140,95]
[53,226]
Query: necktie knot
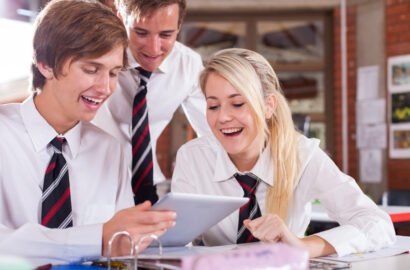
[248,182]
[144,74]
[57,144]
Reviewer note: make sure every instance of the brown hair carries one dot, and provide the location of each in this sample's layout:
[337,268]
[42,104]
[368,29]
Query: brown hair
[145,8]
[74,29]
[110,4]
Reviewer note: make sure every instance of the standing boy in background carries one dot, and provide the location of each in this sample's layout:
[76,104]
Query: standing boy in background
[163,74]
[62,179]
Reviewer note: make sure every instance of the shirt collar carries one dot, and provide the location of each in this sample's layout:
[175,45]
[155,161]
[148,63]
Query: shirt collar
[40,131]
[225,169]
[165,66]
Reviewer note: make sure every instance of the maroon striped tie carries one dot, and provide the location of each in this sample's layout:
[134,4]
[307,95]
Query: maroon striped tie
[249,182]
[142,172]
[56,202]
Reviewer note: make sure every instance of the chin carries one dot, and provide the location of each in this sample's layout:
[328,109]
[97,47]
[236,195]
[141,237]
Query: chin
[87,118]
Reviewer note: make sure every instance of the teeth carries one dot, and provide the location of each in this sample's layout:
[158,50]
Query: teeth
[95,100]
[230,130]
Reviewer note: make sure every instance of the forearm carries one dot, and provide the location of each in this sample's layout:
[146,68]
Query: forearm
[317,246]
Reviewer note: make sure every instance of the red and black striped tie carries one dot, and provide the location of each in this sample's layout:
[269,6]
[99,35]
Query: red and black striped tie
[142,172]
[56,202]
[249,182]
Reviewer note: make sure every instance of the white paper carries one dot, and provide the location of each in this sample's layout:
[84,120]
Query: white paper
[371,166]
[367,82]
[371,111]
[371,136]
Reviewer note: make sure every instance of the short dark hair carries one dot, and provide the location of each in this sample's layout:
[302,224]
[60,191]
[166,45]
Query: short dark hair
[145,8]
[74,29]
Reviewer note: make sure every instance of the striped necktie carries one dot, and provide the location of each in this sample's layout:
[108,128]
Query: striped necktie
[142,172]
[249,182]
[56,202]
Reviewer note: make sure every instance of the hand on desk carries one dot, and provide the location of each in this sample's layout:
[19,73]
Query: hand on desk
[138,221]
[271,228]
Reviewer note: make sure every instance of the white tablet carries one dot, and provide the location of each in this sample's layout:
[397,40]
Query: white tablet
[196,213]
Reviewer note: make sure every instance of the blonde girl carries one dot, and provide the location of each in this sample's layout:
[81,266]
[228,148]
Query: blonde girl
[253,134]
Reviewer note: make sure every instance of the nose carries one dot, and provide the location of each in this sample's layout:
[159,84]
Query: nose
[154,45]
[225,114]
[104,83]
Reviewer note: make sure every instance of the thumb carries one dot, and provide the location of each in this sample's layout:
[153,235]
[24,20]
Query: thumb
[143,206]
[246,223]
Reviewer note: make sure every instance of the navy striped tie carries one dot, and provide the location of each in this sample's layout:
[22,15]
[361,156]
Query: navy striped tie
[56,201]
[249,182]
[142,171]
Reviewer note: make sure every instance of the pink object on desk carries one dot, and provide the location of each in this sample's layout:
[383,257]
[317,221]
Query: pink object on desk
[251,256]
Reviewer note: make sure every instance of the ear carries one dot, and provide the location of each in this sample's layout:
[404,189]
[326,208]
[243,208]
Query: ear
[271,102]
[45,70]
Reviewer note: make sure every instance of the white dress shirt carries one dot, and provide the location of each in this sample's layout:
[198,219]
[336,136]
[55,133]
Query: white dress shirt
[203,166]
[174,83]
[98,182]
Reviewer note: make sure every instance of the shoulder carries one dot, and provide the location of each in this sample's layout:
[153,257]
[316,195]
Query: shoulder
[186,54]
[95,135]
[9,110]
[205,145]
[10,115]
[308,149]
[307,146]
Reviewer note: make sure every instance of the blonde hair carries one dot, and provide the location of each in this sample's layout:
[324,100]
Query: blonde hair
[251,74]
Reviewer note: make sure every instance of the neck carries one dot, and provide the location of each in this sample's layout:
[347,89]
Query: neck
[50,111]
[244,163]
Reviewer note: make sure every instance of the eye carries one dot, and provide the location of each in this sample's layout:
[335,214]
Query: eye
[113,74]
[237,105]
[90,70]
[212,108]
[141,34]
[165,35]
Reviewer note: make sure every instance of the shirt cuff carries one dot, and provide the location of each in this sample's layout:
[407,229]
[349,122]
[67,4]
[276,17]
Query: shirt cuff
[345,239]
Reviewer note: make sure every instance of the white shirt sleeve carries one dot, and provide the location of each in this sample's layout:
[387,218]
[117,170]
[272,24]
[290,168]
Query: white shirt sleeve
[180,178]
[194,105]
[363,227]
[57,246]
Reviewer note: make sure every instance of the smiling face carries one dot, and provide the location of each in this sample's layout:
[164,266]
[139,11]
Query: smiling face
[152,37]
[232,122]
[79,91]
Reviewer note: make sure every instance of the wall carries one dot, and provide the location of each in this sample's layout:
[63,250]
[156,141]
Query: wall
[351,80]
[370,47]
[397,43]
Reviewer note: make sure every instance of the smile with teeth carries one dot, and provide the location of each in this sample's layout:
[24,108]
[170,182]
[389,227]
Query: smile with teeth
[231,131]
[92,100]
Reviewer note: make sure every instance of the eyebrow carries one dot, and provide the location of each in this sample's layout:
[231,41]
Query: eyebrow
[170,31]
[230,96]
[99,64]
